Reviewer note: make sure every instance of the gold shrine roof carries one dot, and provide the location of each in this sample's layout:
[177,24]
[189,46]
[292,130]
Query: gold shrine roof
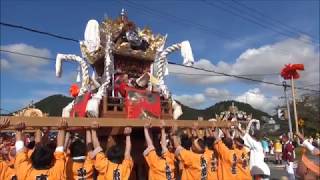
[118,26]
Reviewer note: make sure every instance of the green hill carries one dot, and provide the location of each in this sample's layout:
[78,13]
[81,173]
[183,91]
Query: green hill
[190,113]
[53,105]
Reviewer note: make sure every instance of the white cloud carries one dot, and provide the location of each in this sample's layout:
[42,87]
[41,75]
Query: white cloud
[4,64]
[267,59]
[27,64]
[258,100]
[30,68]
[217,94]
[191,100]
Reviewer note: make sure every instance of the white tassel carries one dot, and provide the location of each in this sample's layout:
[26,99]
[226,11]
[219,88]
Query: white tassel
[92,36]
[92,108]
[67,110]
[93,76]
[58,65]
[186,53]
[78,76]
[177,110]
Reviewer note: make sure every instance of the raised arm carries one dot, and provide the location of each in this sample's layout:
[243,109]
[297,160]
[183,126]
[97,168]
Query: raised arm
[67,141]
[308,145]
[175,138]
[95,140]
[226,132]
[216,135]
[163,136]
[61,134]
[37,136]
[127,152]
[89,140]
[19,141]
[147,134]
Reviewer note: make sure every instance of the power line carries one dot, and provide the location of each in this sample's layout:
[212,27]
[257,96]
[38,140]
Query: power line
[148,12]
[194,74]
[271,19]
[29,55]
[248,18]
[241,77]
[202,69]
[37,31]
[52,59]
[185,22]
[179,20]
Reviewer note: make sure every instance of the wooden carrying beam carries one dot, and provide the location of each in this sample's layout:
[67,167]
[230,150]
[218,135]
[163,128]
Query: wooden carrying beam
[113,122]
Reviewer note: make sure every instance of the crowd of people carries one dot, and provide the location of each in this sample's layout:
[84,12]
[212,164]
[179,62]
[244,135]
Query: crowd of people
[186,154]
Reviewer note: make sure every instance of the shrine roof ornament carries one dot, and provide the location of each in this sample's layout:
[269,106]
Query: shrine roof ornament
[128,39]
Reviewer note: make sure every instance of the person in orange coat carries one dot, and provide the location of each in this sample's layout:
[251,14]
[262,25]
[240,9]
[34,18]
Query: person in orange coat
[227,156]
[160,167]
[194,161]
[211,154]
[79,163]
[44,163]
[118,164]
[243,159]
[6,172]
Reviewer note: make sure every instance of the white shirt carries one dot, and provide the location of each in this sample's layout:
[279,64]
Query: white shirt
[257,164]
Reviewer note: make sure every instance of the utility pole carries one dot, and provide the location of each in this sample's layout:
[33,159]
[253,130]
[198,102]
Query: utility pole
[288,108]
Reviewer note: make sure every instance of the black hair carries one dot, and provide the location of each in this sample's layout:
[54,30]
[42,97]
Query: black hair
[42,157]
[116,154]
[186,141]
[240,140]
[201,143]
[31,145]
[209,142]
[77,148]
[258,134]
[228,142]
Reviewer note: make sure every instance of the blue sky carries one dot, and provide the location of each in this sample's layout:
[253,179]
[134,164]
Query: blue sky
[239,47]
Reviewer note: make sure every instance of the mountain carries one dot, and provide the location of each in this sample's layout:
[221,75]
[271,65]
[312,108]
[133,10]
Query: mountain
[190,113]
[53,105]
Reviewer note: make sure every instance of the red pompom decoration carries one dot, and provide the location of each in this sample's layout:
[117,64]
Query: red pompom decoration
[291,71]
[74,90]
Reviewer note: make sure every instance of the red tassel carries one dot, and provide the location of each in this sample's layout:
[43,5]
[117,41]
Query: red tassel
[291,71]
[74,90]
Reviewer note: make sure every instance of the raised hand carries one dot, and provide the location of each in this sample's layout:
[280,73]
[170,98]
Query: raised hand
[127,131]
[20,126]
[62,124]
[300,136]
[95,125]
[162,124]
[147,124]
[4,123]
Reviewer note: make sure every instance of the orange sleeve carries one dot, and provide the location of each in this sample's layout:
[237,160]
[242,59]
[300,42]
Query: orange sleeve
[222,149]
[101,163]
[30,152]
[2,170]
[127,168]
[151,157]
[22,165]
[169,157]
[88,165]
[184,156]
[58,169]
